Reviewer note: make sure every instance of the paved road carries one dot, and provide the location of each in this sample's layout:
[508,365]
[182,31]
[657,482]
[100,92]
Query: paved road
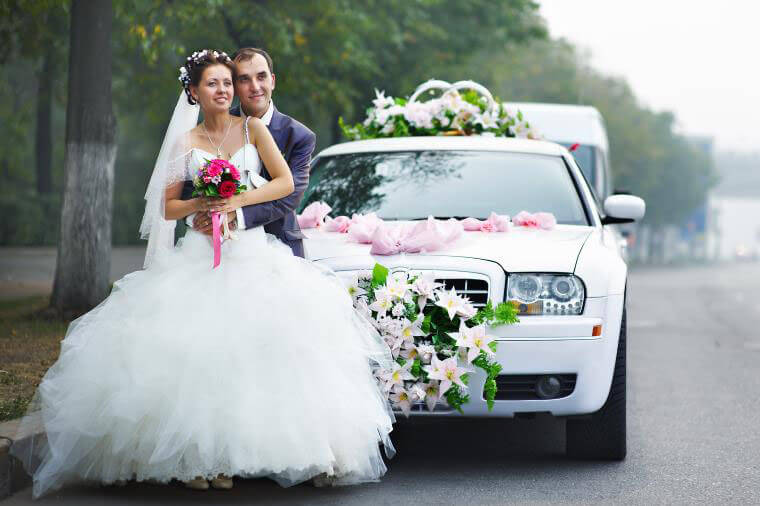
[694,383]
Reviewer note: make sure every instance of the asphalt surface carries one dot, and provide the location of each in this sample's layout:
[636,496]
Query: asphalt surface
[693,413]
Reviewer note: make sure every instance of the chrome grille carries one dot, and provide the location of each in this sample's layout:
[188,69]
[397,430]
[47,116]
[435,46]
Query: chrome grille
[474,289]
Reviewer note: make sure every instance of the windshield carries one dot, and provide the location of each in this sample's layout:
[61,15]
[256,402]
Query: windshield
[584,157]
[415,185]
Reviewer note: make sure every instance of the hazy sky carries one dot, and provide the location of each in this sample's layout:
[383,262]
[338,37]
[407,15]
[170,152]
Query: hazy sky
[698,58]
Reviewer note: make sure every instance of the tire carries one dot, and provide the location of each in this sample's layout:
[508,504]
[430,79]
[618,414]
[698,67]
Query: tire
[602,437]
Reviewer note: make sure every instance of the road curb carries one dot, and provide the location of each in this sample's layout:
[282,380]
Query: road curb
[13,476]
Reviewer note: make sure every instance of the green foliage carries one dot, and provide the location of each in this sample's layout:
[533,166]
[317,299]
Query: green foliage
[379,275]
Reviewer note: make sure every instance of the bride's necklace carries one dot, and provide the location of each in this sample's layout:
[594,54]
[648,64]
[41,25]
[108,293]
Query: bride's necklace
[219,147]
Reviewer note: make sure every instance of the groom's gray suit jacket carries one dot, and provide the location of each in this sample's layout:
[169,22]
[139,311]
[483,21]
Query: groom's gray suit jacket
[296,143]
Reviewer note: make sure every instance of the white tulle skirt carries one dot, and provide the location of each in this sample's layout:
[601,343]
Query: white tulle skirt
[260,367]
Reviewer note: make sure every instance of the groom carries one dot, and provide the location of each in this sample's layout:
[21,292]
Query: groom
[254,84]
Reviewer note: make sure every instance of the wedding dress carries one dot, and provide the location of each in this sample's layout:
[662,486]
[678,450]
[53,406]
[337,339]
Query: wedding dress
[259,367]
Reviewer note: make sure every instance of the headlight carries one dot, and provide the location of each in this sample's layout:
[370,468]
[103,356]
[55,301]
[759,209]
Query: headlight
[551,294]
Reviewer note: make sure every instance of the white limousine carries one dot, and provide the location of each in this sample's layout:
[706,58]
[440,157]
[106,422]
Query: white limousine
[567,355]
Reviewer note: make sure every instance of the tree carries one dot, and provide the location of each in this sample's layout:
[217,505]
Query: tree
[84,246]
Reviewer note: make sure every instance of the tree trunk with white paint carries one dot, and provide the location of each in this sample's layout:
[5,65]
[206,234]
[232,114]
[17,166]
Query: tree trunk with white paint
[84,246]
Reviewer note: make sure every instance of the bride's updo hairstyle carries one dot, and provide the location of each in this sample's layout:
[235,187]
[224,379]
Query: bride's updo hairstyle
[190,74]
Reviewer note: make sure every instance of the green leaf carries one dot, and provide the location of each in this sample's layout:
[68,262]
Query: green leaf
[416,368]
[379,275]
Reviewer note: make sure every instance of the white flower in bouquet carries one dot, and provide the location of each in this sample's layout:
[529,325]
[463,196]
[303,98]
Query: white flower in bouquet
[381,101]
[425,352]
[397,285]
[474,340]
[388,128]
[401,399]
[397,375]
[412,329]
[398,309]
[520,128]
[425,285]
[418,114]
[354,289]
[418,391]
[447,372]
[467,310]
[451,302]
[408,350]
[487,120]
[432,393]
[383,301]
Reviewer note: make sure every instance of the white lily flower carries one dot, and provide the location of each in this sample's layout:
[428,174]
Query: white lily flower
[425,352]
[425,285]
[381,101]
[402,399]
[412,329]
[447,372]
[432,394]
[450,301]
[397,285]
[383,301]
[418,392]
[408,350]
[467,310]
[397,376]
[474,340]
[398,309]
[354,289]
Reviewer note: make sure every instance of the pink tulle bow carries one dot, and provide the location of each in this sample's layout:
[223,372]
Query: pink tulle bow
[545,221]
[313,216]
[341,224]
[363,227]
[425,236]
[494,223]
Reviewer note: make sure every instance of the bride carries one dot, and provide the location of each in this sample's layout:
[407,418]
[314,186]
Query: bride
[259,367]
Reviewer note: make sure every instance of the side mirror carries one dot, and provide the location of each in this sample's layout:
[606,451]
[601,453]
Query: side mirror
[623,209]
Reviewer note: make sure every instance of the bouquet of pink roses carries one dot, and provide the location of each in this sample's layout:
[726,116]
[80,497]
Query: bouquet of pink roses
[218,178]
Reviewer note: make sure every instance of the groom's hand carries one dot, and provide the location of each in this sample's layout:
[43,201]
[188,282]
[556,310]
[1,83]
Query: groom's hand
[202,222]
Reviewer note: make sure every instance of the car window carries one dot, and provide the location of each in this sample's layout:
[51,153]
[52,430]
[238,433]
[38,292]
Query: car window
[414,185]
[585,157]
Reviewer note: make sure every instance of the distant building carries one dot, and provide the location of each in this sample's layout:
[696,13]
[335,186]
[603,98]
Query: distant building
[733,210]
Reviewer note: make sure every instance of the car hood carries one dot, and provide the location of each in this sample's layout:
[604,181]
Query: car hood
[519,250]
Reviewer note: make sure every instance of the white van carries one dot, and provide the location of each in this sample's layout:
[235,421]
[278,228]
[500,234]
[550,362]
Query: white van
[574,124]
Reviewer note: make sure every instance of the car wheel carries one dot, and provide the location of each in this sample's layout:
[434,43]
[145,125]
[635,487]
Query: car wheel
[603,435]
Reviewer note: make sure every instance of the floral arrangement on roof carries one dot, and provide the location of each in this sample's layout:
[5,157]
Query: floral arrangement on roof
[464,108]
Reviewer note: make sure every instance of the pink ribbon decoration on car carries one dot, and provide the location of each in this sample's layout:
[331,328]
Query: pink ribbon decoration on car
[425,236]
[313,216]
[217,239]
[545,221]
[494,223]
[341,224]
[363,226]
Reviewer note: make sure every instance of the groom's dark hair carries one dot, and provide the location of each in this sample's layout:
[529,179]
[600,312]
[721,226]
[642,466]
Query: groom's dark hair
[247,53]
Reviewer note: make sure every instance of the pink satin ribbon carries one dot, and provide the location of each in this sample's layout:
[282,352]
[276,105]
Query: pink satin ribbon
[217,239]
[425,236]
[494,223]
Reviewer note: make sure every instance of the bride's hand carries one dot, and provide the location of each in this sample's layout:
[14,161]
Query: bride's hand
[230,204]
[213,204]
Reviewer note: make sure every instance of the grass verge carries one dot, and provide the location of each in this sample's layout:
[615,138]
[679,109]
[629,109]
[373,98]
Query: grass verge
[29,345]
